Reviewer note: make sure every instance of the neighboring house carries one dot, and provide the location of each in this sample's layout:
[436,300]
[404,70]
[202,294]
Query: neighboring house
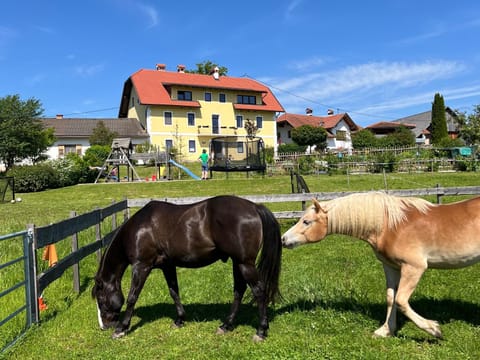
[383,128]
[72,134]
[419,124]
[339,128]
[185,110]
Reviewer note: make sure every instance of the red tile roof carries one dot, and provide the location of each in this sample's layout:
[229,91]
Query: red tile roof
[152,88]
[327,122]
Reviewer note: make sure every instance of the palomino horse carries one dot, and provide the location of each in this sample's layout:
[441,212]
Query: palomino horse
[408,235]
[163,235]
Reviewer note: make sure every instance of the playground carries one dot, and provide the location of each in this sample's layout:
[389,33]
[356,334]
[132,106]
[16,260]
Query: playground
[227,155]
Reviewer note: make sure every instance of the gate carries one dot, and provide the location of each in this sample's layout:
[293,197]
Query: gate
[13,306]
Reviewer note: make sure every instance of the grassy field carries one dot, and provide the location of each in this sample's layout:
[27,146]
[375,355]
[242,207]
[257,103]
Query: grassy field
[333,292]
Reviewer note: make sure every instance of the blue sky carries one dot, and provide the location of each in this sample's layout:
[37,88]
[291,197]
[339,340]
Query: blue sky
[377,60]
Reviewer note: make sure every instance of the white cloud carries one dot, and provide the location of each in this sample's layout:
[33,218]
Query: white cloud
[151,14]
[35,79]
[367,90]
[292,5]
[308,64]
[370,76]
[89,70]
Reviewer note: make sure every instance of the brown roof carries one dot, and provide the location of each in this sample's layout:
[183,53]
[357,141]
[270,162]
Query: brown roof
[152,87]
[386,125]
[78,127]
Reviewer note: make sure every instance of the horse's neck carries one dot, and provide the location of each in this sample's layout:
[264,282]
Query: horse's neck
[351,226]
[114,262]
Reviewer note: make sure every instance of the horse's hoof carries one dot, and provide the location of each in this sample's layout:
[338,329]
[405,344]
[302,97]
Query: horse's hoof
[257,338]
[118,334]
[177,326]
[434,329]
[221,331]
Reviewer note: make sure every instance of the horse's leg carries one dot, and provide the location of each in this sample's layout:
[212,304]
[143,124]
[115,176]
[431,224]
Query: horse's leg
[239,287]
[250,274]
[170,273]
[139,275]
[410,276]
[392,277]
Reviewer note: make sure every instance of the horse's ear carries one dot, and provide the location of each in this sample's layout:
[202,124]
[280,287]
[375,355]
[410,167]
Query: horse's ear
[317,206]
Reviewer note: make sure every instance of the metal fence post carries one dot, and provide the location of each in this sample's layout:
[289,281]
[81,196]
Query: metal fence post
[31,289]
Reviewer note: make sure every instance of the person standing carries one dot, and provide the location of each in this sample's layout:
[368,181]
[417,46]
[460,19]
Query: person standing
[203,158]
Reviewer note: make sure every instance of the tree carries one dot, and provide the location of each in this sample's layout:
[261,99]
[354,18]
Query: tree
[250,128]
[207,67]
[96,155]
[310,135]
[469,126]
[364,139]
[402,136]
[439,121]
[22,134]
[101,135]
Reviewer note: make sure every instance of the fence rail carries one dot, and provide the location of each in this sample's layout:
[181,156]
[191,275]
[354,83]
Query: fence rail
[438,191]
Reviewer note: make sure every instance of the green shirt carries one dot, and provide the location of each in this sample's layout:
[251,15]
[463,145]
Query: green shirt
[204,158]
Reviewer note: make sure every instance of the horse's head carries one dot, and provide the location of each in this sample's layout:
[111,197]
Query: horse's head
[312,227]
[109,298]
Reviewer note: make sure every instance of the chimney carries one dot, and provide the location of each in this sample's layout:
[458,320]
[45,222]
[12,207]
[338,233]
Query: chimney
[329,112]
[181,68]
[160,67]
[309,111]
[59,116]
[216,74]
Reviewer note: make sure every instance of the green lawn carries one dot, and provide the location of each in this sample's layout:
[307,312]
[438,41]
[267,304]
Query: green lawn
[333,291]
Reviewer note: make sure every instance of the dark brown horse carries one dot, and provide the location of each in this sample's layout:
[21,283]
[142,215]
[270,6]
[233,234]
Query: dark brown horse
[164,235]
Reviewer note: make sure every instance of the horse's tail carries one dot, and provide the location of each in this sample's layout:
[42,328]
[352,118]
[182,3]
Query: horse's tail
[269,263]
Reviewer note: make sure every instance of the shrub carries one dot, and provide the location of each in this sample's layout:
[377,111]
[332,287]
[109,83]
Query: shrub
[385,161]
[34,178]
[289,148]
[306,165]
[96,155]
[73,170]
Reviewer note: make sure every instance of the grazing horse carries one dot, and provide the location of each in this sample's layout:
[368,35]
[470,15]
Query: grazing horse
[164,235]
[408,235]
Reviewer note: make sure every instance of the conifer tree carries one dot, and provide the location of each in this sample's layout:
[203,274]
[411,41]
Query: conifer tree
[439,121]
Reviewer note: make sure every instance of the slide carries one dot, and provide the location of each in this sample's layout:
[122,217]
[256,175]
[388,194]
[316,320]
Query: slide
[196,177]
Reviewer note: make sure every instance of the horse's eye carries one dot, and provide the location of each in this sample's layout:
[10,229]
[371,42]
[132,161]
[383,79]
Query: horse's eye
[306,222]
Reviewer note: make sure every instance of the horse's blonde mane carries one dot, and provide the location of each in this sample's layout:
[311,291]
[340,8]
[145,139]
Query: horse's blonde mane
[362,214]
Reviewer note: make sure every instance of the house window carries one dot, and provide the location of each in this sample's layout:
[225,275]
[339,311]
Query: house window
[191,146]
[259,122]
[191,119]
[168,144]
[208,96]
[240,147]
[167,115]
[341,135]
[239,121]
[246,99]
[184,95]
[222,97]
[289,134]
[215,124]
[64,150]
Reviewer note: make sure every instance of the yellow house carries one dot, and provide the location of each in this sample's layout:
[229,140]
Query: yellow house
[185,111]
